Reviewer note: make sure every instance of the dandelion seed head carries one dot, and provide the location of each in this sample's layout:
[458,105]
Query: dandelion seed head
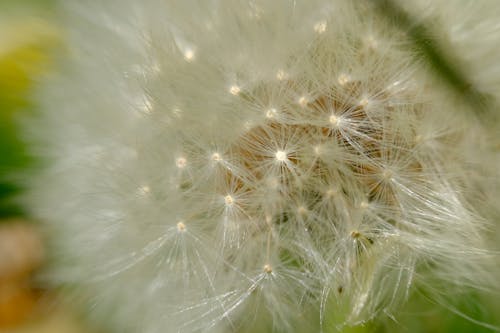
[297,163]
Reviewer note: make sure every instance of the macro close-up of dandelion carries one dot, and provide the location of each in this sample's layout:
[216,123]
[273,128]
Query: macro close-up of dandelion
[268,166]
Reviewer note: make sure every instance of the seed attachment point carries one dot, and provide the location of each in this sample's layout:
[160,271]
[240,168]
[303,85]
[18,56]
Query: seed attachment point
[281,156]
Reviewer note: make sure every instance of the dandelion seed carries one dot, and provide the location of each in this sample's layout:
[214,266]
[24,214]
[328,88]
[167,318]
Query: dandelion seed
[364,205]
[268,269]
[371,42]
[281,75]
[144,190]
[228,200]
[343,79]
[281,156]
[364,102]
[216,157]
[234,90]
[181,227]
[271,113]
[302,210]
[334,120]
[189,55]
[331,193]
[181,162]
[303,101]
[320,27]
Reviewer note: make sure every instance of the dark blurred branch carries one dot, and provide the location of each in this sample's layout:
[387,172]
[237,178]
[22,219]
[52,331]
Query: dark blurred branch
[441,62]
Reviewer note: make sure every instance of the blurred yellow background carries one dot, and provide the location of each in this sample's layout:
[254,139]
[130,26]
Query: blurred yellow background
[27,38]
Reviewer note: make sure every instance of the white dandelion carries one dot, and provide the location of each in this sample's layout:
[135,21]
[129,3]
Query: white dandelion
[313,172]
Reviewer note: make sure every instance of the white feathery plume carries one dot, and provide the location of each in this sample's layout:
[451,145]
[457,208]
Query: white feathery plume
[213,163]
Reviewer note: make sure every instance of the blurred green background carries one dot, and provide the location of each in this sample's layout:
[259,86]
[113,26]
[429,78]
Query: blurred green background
[28,37]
